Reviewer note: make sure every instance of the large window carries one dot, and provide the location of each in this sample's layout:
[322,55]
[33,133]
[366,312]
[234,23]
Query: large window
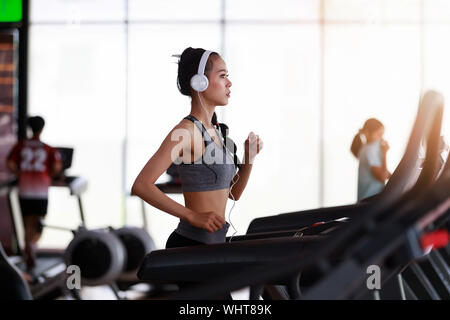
[77,82]
[306,75]
[368,73]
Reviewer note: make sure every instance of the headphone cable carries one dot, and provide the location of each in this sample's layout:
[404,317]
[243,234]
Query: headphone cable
[234,202]
[234,182]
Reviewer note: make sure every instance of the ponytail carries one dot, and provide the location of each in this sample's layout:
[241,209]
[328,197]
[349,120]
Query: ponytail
[357,144]
[214,121]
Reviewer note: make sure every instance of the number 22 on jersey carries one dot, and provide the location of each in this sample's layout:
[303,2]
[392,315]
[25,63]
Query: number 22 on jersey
[33,159]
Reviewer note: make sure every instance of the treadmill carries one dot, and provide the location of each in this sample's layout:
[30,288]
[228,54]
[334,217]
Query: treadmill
[220,266]
[389,238]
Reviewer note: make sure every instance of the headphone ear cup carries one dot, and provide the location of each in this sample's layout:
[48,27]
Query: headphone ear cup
[199,82]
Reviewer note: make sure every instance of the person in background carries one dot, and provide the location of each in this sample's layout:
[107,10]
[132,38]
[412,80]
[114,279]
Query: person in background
[35,164]
[369,147]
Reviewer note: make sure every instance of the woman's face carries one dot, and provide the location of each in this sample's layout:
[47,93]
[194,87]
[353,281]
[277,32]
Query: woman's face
[218,91]
[377,134]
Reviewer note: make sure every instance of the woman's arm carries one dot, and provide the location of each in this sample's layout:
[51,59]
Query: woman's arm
[382,173]
[176,144]
[144,185]
[241,177]
[152,195]
[253,145]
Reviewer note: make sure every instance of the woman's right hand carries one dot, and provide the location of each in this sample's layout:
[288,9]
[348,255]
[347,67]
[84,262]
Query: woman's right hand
[209,220]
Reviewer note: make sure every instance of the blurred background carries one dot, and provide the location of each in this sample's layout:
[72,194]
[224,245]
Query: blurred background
[306,74]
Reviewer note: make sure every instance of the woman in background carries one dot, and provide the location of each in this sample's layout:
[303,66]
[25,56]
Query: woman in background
[370,148]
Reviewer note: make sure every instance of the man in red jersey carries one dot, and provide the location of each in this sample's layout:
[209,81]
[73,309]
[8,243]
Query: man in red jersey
[34,163]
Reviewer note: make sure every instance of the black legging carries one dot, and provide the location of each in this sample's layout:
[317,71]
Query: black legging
[176,240]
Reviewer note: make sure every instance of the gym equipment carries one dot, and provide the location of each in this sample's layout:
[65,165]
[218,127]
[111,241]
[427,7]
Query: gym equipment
[428,277]
[389,244]
[389,238]
[109,256]
[99,253]
[137,243]
[165,265]
[395,242]
[14,286]
[8,232]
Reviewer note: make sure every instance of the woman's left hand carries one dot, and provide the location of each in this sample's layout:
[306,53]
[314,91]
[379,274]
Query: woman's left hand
[253,145]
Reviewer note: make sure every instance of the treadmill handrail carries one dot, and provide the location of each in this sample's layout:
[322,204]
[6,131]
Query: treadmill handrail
[404,230]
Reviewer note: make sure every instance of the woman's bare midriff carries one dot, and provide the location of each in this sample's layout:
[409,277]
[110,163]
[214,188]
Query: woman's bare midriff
[204,201]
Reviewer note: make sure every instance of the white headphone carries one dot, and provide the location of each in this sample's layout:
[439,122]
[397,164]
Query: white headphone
[199,82]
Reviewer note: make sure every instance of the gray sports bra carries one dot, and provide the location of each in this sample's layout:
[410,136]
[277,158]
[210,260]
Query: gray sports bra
[213,171]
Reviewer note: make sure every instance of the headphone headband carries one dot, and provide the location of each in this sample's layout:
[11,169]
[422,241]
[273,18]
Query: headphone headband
[203,60]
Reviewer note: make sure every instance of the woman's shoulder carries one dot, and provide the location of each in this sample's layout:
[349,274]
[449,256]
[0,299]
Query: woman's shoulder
[184,124]
[185,128]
